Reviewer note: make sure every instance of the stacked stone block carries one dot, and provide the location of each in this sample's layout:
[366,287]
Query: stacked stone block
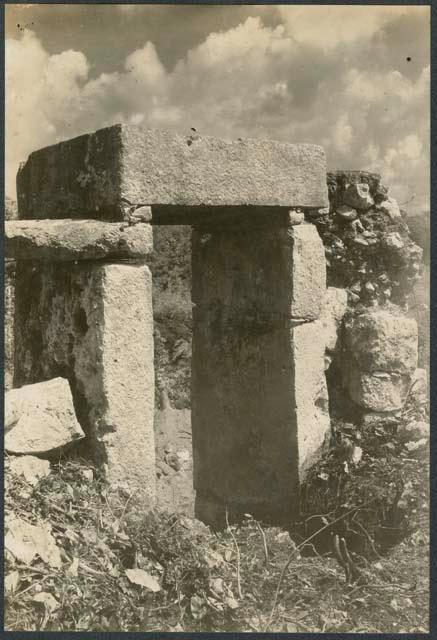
[259,396]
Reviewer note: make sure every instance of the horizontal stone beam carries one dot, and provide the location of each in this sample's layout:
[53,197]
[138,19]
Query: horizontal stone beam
[69,240]
[109,173]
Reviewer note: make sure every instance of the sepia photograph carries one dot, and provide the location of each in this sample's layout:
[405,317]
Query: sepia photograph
[217,318]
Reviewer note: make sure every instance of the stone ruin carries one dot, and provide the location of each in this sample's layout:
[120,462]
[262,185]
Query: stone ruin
[266,326]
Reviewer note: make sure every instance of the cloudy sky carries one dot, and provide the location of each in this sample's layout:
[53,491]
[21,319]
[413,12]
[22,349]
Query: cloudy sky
[354,79]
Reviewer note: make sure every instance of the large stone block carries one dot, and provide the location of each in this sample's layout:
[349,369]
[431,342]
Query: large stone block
[67,240]
[93,325]
[382,352]
[381,340]
[107,174]
[272,270]
[259,398]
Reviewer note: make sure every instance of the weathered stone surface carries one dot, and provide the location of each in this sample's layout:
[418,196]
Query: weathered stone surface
[381,418]
[93,324]
[334,308]
[357,195]
[391,208]
[109,173]
[284,259]
[67,240]
[413,431]
[381,340]
[40,417]
[379,391]
[308,265]
[32,468]
[310,392]
[295,217]
[246,395]
[419,386]
[382,352]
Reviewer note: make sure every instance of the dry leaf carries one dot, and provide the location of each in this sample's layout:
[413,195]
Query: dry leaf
[140,577]
[228,555]
[232,603]
[198,607]
[50,603]
[11,581]
[73,568]
[214,559]
[25,541]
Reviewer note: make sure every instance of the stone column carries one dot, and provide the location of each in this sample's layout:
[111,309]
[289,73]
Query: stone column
[259,397]
[91,322]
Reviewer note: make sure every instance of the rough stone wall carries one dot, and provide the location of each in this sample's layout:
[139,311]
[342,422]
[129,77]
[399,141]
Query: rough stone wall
[368,247]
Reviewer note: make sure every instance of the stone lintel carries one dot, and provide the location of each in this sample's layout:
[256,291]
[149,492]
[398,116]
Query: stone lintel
[109,173]
[69,240]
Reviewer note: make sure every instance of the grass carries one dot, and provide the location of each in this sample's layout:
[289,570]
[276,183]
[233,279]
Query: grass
[249,577]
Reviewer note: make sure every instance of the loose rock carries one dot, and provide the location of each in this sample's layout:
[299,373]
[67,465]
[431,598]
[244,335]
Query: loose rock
[41,417]
[32,468]
[346,213]
[391,208]
[358,196]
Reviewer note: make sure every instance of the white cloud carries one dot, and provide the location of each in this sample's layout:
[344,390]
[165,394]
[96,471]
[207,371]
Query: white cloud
[342,134]
[303,81]
[329,26]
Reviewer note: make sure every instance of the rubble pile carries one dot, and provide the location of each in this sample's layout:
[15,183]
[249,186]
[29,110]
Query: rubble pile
[368,246]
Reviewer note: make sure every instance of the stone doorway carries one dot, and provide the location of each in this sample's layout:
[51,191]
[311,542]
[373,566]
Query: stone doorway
[259,399]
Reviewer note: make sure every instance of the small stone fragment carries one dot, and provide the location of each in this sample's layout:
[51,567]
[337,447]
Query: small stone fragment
[358,196]
[141,214]
[295,217]
[346,213]
[88,474]
[356,454]
[164,468]
[393,241]
[417,445]
[361,241]
[50,603]
[32,468]
[47,419]
[390,207]
[416,430]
